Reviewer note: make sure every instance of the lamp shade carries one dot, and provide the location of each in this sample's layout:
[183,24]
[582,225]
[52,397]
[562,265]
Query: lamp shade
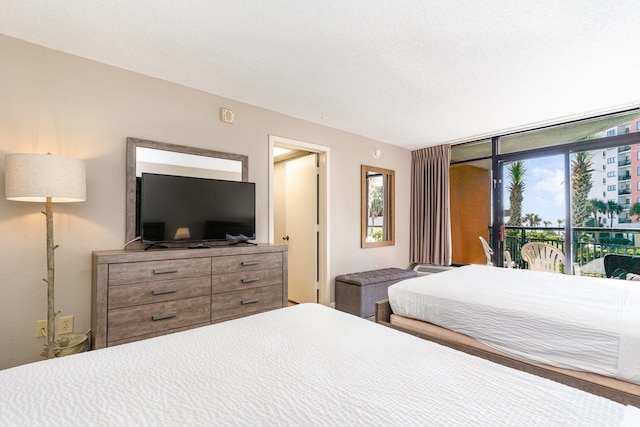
[34,177]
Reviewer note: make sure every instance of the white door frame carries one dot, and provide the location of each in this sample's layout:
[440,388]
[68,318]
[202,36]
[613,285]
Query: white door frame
[324,286]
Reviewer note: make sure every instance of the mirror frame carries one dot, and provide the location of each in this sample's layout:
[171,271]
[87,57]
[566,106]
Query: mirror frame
[133,143]
[391,193]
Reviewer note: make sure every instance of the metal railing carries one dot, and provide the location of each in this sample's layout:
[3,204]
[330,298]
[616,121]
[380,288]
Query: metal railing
[588,244]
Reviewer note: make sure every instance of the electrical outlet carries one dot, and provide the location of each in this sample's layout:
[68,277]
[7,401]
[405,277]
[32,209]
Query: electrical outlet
[65,325]
[41,328]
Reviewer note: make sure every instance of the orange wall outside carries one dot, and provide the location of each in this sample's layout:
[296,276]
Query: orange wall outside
[470,189]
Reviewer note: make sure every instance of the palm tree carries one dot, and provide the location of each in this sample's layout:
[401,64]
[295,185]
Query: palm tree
[546,223]
[613,209]
[516,192]
[560,222]
[376,202]
[532,219]
[581,169]
[594,207]
[635,210]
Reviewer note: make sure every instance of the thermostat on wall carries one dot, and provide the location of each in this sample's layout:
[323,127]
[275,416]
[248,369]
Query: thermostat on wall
[226,116]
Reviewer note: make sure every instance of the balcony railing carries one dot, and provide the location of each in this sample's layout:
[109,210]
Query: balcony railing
[624,148]
[624,177]
[624,163]
[588,244]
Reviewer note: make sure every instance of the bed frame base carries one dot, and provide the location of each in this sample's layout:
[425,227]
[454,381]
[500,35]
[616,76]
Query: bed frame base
[610,388]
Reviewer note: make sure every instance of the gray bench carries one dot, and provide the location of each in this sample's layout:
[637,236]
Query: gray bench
[357,293]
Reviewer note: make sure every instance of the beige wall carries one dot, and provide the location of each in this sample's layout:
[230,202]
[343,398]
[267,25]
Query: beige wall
[53,102]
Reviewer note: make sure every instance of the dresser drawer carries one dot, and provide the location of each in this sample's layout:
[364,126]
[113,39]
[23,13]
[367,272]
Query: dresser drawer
[149,318]
[157,334]
[235,263]
[148,271]
[237,303]
[152,292]
[245,280]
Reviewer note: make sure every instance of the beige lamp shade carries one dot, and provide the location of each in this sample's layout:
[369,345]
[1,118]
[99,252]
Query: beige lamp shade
[34,177]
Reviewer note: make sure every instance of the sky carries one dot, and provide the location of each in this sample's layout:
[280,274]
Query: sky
[544,188]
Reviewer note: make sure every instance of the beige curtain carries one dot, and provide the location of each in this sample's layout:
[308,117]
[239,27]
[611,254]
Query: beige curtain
[430,212]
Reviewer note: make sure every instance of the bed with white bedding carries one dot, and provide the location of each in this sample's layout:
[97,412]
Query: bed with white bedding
[578,323]
[301,365]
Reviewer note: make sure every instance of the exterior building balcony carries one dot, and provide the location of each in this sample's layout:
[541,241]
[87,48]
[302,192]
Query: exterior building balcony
[624,149]
[624,191]
[624,177]
[625,162]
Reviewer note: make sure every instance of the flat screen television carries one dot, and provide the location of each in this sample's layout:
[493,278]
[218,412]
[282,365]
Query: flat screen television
[185,209]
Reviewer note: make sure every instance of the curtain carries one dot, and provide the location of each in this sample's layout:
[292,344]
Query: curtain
[430,234]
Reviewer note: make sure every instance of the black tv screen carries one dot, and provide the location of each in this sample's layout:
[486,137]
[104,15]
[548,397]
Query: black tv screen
[186,209]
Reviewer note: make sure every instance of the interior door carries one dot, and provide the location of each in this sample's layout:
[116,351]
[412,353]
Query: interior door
[301,219]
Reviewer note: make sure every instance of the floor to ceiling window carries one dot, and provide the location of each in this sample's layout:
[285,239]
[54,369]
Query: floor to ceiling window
[574,186]
[533,203]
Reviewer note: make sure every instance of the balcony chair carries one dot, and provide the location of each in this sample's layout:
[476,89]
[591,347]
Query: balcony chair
[508,262]
[624,267]
[542,257]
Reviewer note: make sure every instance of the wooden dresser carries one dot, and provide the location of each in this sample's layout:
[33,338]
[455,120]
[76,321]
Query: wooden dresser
[140,294]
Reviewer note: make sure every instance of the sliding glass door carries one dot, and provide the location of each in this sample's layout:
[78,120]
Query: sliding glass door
[534,204]
[574,186]
[605,208]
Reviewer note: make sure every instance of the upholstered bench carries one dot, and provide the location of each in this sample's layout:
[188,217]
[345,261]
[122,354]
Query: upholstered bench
[357,293]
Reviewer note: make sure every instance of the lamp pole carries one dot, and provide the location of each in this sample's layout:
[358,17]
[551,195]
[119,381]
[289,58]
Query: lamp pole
[32,177]
[51,311]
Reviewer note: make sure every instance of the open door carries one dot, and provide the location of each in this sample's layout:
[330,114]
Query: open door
[297,223]
[316,194]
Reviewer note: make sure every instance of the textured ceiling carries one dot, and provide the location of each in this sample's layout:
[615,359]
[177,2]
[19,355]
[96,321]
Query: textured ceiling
[407,72]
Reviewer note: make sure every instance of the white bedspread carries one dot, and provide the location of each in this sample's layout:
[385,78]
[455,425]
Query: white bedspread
[579,323]
[302,365]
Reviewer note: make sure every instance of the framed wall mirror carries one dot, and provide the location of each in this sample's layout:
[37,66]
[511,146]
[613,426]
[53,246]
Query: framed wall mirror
[170,159]
[377,206]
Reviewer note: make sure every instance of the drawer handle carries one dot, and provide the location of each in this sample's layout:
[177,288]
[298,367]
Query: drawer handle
[165,270]
[164,291]
[250,262]
[164,316]
[250,279]
[250,301]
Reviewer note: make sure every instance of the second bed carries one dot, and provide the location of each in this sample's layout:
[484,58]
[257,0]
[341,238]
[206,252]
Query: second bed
[572,323]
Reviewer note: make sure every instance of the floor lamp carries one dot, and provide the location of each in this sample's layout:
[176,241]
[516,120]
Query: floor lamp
[49,179]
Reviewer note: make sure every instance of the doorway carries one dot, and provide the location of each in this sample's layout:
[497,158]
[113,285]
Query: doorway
[305,228]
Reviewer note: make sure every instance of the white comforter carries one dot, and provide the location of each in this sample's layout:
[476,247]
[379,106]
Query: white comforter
[303,365]
[579,323]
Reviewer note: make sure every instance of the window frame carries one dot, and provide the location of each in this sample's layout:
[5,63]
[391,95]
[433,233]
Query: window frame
[566,149]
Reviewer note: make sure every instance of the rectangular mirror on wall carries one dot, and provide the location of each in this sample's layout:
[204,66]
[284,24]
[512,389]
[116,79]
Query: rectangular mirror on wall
[144,156]
[377,207]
